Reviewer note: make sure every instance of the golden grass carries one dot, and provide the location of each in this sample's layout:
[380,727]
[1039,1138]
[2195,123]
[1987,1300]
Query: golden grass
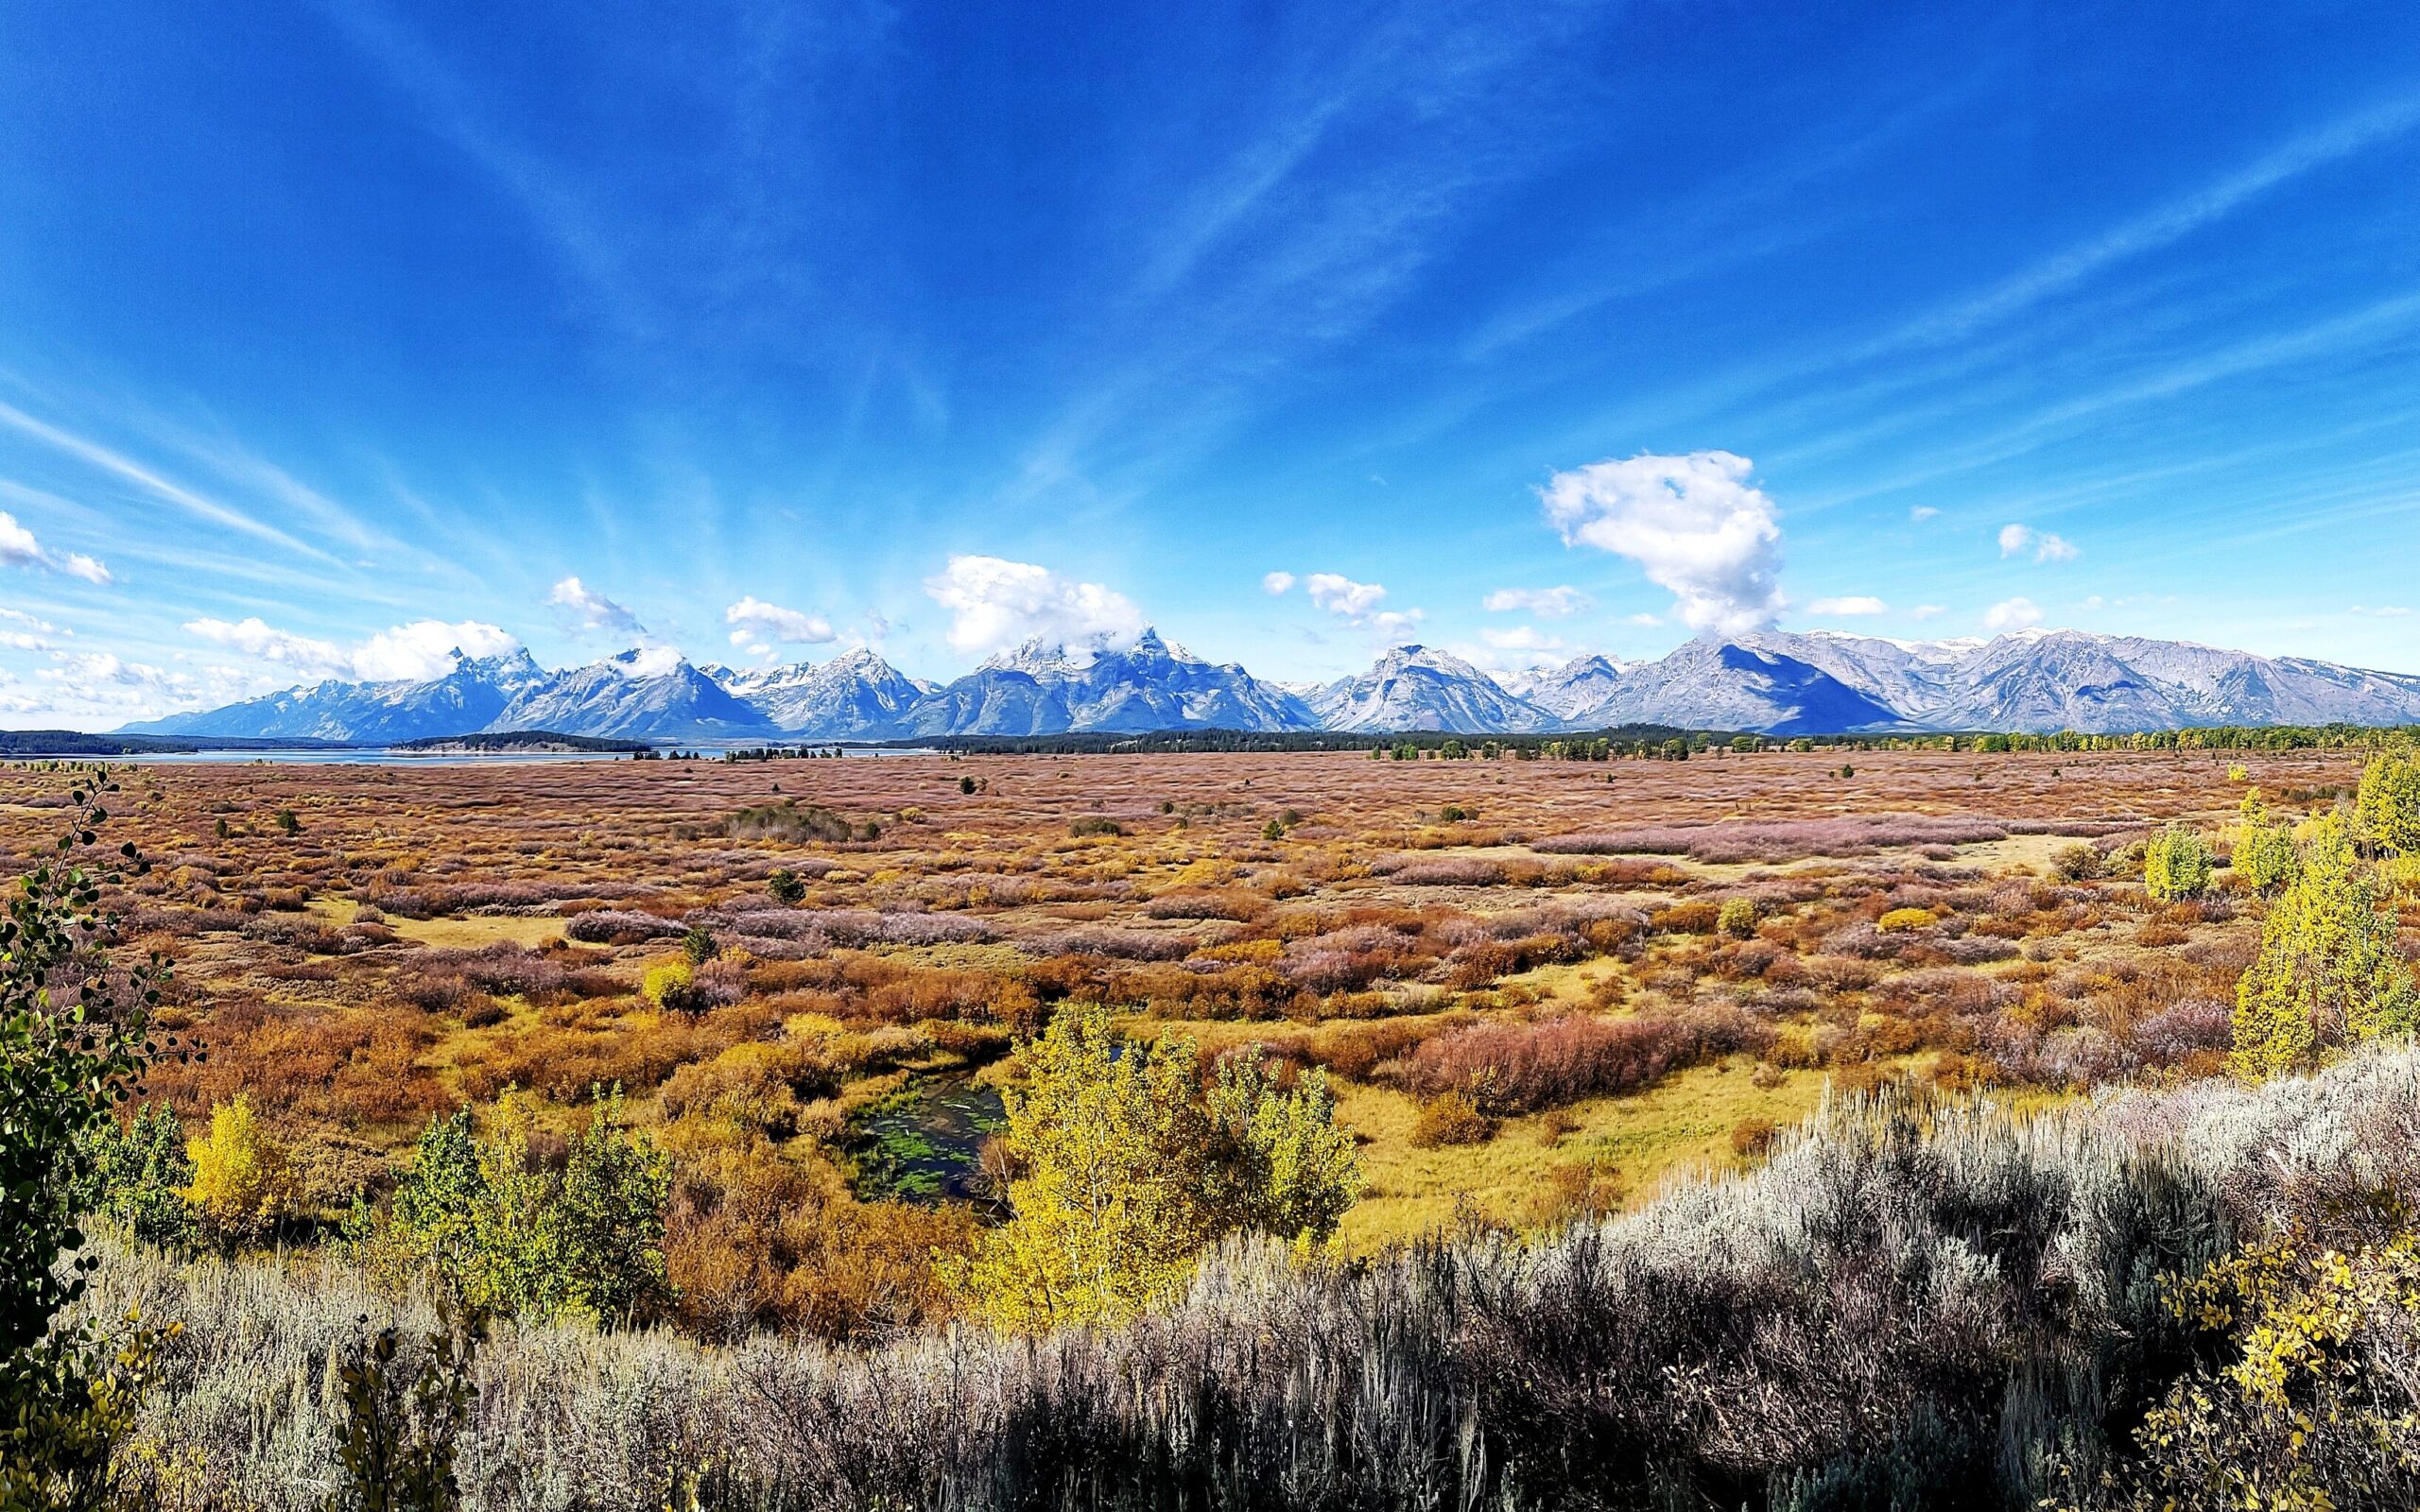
[473,933]
[1683,1124]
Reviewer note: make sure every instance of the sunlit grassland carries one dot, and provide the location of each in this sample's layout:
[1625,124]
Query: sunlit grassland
[1631,1144]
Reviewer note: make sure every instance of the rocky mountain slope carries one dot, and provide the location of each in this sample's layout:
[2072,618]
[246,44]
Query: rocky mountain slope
[1773,682]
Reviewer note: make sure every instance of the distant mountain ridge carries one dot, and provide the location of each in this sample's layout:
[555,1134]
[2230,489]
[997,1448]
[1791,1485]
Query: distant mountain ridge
[1418,687]
[1774,682]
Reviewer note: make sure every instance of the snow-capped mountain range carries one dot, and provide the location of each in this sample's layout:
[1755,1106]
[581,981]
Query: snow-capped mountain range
[1776,682]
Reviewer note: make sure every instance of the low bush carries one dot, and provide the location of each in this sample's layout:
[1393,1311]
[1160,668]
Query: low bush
[790,823]
[606,926]
[1451,1118]
[1520,1068]
[1737,917]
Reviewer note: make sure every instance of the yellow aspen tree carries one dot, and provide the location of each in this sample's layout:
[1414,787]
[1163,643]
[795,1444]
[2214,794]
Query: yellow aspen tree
[2389,801]
[2327,968]
[2176,864]
[1127,1168]
[2264,847]
[243,1183]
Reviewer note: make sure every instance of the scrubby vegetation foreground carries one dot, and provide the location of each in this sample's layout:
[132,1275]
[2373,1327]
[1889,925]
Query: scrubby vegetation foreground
[2199,1297]
[2196,1285]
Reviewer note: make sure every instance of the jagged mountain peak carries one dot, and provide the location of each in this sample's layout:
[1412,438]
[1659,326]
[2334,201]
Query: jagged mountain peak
[1421,687]
[1818,682]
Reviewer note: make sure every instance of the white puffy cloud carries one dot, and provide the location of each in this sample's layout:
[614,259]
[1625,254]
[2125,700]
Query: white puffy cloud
[758,623]
[1556,603]
[18,548]
[1341,596]
[1695,523]
[406,653]
[1921,513]
[1925,611]
[76,564]
[1644,620]
[1275,583]
[1854,604]
[90,690]
[592,610]
[2017,539]
[97,670]
[35,634]
[652,659]
[1518,648]
[994,603]
[2011,614]
[1357,604]
[423,649]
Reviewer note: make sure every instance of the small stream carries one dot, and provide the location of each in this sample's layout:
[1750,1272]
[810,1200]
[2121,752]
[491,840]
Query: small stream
[920,1143]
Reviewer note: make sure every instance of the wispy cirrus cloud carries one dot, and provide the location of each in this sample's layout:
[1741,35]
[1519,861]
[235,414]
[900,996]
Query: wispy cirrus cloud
[2164,224]
[1560,602]
[159,486]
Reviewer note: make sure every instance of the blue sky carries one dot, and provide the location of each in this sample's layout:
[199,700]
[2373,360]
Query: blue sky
[330,336]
